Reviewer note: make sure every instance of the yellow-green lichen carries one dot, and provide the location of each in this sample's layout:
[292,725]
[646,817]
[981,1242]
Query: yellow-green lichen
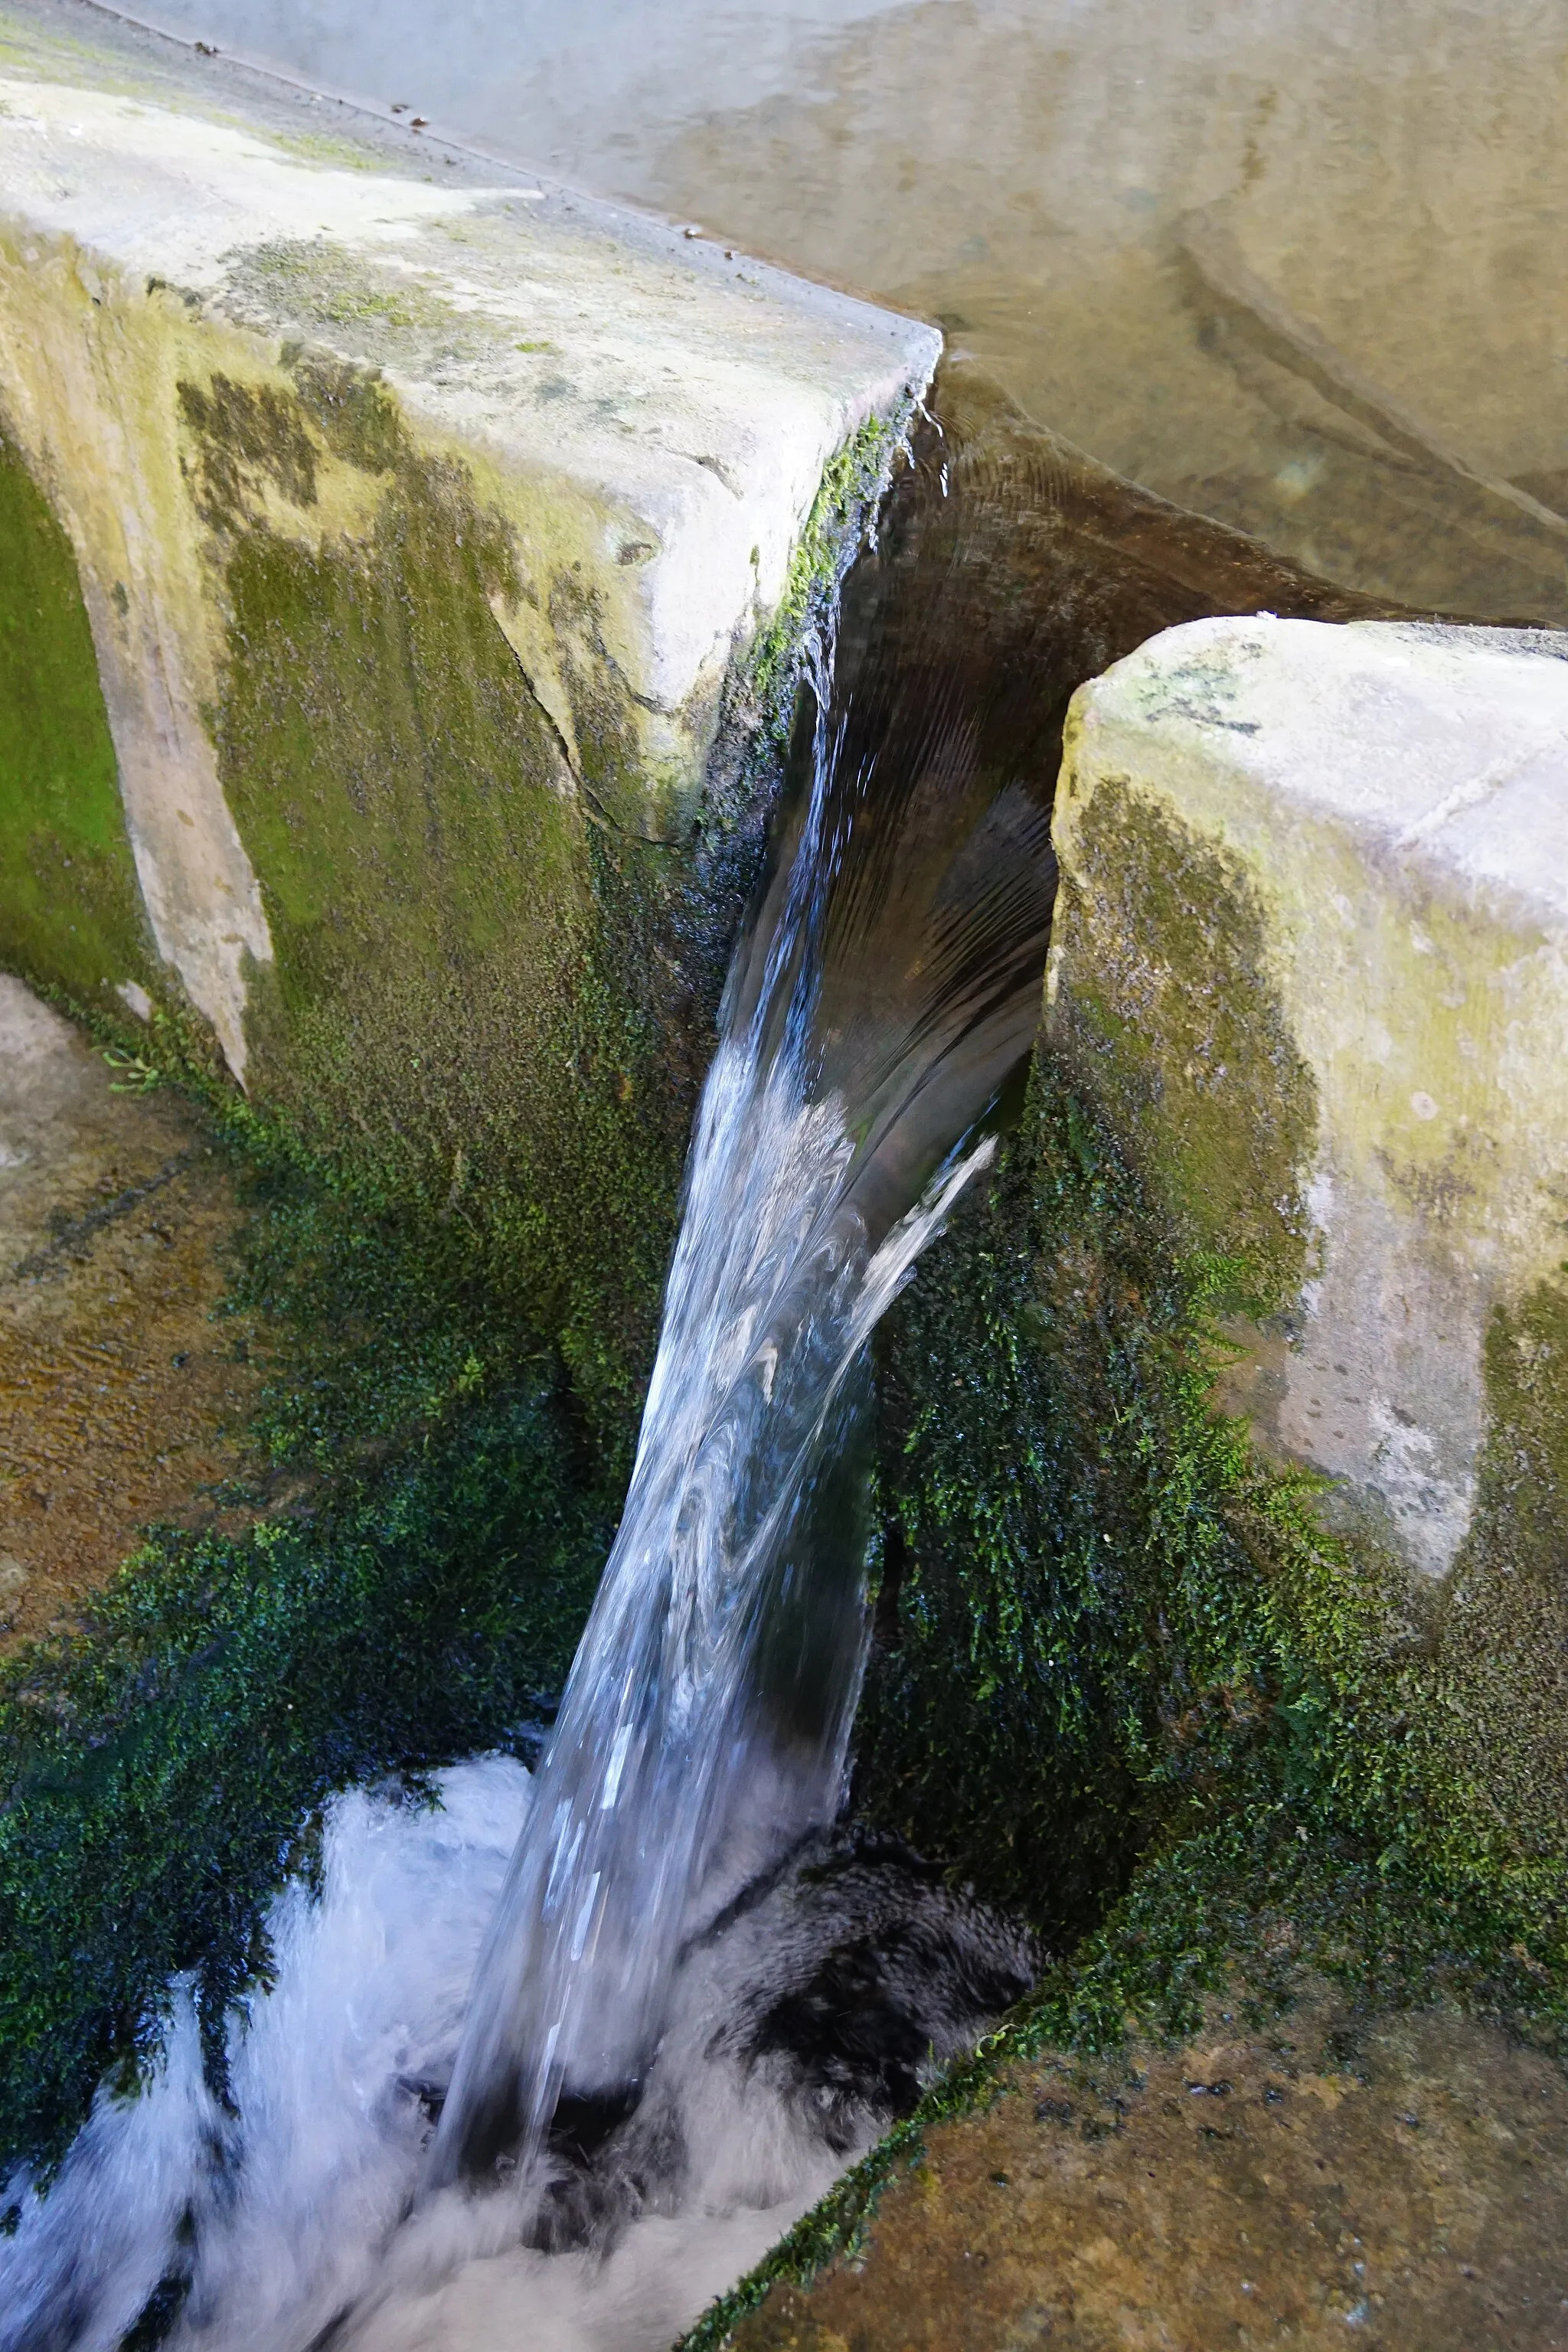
[315,281]
[326,147]
[465,1009]
[1495,1723]
[70,911]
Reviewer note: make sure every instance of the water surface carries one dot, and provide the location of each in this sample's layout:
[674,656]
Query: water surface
[1296,266]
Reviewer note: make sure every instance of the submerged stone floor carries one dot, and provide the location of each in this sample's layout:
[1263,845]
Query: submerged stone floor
[120,1401]
[1400,2182]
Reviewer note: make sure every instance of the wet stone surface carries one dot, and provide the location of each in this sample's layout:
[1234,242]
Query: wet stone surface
[120,1401]
[1399,2182]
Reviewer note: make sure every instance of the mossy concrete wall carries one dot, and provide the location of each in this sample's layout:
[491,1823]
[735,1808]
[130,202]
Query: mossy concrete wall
[382,485]
[1311,961]
[385,540]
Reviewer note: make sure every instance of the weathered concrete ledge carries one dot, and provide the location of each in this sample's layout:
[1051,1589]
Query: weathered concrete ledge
[418,512]
[1311,957]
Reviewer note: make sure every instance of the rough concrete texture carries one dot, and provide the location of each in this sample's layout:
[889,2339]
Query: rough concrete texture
[1333,2179]
[1310,950]
[119,1400]
[199,284]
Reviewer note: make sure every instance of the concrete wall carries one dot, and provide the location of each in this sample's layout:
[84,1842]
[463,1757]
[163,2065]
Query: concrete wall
[1312,952]
[335,427]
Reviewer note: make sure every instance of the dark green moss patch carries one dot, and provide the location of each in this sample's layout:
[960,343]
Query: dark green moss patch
[162,1765]
[1101,1600]
[852,483]
[70,912]
[1497,1726]
[1172,1025]
[1097,1575]
[245,434]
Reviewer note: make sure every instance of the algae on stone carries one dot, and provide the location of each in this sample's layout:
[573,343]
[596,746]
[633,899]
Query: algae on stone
[215,332]
[1169,1014]
[69,910]
[1394,799]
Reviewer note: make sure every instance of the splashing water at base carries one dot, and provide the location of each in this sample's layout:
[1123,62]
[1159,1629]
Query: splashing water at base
[265,2226]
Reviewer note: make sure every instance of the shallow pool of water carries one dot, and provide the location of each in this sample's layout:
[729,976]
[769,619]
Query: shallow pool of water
[1298,267]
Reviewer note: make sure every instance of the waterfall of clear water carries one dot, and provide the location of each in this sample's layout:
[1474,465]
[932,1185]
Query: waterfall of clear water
[704,1726]
[661,1979]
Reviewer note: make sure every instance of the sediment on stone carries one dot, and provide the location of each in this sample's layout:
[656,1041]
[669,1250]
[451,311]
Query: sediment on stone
[1400,2178]
[123,1399]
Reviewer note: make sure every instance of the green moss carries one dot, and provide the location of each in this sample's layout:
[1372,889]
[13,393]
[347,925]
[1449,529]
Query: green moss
[852,482]
[322,147]
[245,434]
[762,704]
[1075,1539]
[70,912]
[1126,1684]
[1497,1726]
[1126,1680]
[487,1012]
[1097,1572]
[1172,1024]
[471,1016]
[355,414]
[317,281]
[413,1591]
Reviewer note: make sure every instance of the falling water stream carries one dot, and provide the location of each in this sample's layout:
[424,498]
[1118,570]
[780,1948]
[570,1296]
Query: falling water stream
[704,1728]
[883,995]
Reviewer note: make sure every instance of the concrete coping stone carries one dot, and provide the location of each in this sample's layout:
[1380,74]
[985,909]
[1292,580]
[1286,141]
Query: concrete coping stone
[698,393]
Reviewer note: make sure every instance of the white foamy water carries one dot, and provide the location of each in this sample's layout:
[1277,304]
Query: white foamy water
[288,2218]
[292,2205]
